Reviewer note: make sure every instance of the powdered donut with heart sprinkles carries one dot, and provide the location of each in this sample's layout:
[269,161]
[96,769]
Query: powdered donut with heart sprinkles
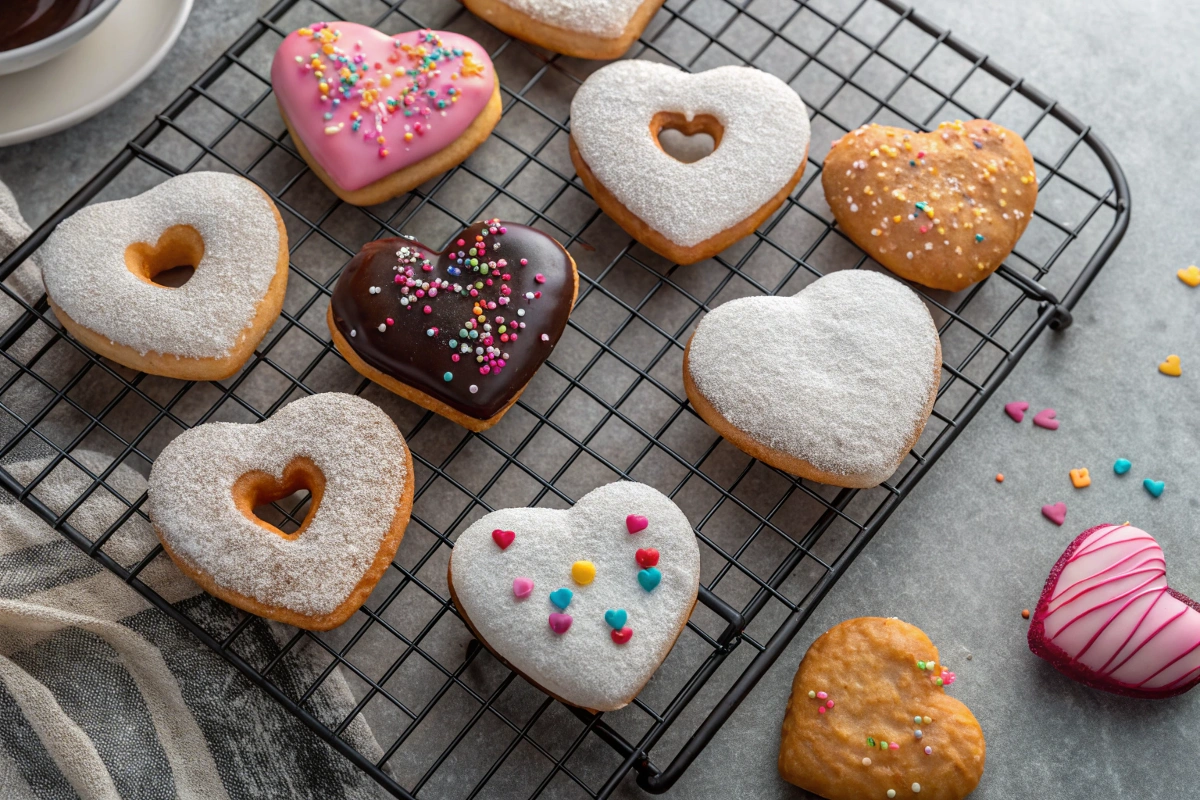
[601,29]
[205,485]
[99,266]
[843,376]
[688,212]
[586,602]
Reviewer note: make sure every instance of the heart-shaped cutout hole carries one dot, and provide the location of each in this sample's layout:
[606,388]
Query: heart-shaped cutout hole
[594,644]
[686,140]
[869,714]
[171,261]
[1108,619]
[256,491]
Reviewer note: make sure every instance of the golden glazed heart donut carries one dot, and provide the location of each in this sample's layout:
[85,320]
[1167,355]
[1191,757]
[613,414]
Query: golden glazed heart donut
[943,209]
[206,483]
[100,263]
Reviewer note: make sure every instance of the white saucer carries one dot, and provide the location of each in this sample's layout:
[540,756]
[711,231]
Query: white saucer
[92,75]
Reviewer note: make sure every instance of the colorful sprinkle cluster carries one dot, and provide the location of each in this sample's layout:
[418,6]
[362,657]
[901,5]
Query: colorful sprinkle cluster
[583,573]
[378,93]
[825,705]
[474,275]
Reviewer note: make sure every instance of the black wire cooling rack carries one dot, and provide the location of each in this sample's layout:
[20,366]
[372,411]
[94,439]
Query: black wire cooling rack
[448,719]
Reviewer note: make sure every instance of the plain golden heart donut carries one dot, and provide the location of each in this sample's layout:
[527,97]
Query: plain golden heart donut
[206,483]
[100,263]
[600,29]
[687,211]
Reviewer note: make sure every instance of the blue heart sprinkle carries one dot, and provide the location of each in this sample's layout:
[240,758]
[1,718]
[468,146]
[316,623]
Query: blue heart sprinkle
[649,578]
[1155,488]
[562,597]
[616,618]
[1121,466]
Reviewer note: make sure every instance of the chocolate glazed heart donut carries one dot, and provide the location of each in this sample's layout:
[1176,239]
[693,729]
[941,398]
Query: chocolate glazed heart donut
[459,332]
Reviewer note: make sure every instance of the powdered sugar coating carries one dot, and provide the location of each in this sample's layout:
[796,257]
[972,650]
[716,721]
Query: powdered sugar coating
[841,372]
[763,144]
[358,450]
[606,19]
[582,666]
[83,266]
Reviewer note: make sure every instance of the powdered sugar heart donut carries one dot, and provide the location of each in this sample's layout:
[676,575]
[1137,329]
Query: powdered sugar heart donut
[1108,619]
[687,212]
[587,602]
[844,376]
[206,483]
[376,115]
[99,266]
[600,29]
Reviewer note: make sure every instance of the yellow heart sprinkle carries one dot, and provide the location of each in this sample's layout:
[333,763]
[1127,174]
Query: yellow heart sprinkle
[583,572]
[1171,367]
[1190,276]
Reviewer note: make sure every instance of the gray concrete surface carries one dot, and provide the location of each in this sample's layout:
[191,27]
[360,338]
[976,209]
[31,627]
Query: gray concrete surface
[964,555]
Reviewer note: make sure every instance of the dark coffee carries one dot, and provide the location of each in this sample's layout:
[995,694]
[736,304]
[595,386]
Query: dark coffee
[24,22]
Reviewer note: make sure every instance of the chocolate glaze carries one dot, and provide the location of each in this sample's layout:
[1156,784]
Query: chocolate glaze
[407,353]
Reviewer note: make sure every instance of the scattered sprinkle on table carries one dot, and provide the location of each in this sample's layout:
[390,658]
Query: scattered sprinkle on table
[1121,466]
[999,477]
[1171,366]
[1046,419]
[1155,488]
[1190,276]
[1080,478]
[1016,410]
[1025,613]
[1055,512]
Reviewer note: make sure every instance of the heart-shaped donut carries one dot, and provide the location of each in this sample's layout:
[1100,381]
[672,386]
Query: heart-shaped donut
[100,263]
[205,485]
[869,717]
[943,208]
[594,642]
[687,212]
[459,332]
[844,376]
[600,29]
[376,115]
[1108,619]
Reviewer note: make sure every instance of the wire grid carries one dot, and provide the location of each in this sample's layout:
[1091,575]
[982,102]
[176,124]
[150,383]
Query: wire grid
[449,720]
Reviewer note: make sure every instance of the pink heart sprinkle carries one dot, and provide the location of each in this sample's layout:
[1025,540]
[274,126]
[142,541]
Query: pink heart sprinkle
[1016,410]
[1056,513]
[560,623]
[503,538]
[1046,419]
[522,587]
[636,522]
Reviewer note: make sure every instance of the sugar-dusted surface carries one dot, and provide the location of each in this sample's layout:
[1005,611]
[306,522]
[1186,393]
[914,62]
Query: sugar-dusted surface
[763,144]
[606,19]
[362,456]
[83,266]
[583,666]
[841,372]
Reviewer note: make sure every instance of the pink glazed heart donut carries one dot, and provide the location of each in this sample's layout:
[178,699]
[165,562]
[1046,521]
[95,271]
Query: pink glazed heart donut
[1108,619]
[376,115]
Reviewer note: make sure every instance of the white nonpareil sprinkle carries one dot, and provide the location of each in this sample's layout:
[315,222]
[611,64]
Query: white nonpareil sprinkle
[606,19]
[842,371]
[362,456]
[83,266]
[764,140]
[382,327]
